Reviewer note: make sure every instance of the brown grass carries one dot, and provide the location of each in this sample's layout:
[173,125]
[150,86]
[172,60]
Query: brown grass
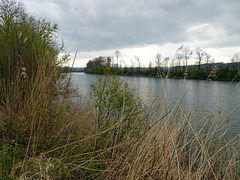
[45,136]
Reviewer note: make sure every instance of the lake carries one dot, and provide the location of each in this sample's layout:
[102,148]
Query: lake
[207,94]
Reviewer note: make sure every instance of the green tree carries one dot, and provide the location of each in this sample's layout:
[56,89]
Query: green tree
[25,45]
[98,62]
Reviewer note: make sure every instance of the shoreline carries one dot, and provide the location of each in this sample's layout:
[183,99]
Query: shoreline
[149,76]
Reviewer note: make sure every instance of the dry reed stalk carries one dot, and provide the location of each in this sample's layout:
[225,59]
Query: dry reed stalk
[170,147]
[177,150]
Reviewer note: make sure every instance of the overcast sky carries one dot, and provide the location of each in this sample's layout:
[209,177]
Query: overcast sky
[143,27]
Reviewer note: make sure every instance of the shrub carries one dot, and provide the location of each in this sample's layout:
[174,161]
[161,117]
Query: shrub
[27,45]
[115,103]
[32,89]
[147,72]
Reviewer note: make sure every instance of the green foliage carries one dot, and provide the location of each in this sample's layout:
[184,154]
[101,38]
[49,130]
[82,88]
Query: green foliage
[95,70]
[26,44]
[125,71]
[224,72]
[115,102]
[179,73]
[99,62]
[131,71]
[194,74]
[197,74]
[30,86]
[147,72]
[176,73]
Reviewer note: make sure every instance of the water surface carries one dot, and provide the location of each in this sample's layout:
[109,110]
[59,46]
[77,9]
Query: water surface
[194,94]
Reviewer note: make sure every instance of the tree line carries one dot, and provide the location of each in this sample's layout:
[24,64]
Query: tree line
[178,67]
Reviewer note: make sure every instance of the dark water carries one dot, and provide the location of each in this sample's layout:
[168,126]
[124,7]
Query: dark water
[194,94]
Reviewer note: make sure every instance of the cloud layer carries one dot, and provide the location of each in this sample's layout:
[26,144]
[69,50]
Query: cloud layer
[100,25]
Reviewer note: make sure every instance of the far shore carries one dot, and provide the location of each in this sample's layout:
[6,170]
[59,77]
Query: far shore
[169,77]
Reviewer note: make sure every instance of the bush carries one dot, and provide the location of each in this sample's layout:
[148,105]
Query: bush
[27,45]
[115,103]
[147,72]
[125,71]
[33,90]
[131,71]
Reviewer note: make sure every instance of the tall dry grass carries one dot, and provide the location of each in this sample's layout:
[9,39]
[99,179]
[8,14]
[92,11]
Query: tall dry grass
[175,146]
[36,115]
[44,135]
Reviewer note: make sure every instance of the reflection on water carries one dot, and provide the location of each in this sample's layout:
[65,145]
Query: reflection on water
[207,94]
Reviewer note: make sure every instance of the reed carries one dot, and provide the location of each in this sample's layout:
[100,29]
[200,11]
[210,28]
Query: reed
[175,146]
[45,135]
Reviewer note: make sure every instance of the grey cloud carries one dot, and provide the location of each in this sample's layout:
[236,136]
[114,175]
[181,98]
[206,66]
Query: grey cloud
[91,25]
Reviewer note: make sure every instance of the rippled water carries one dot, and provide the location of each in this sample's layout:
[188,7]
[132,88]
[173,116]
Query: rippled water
[207,94]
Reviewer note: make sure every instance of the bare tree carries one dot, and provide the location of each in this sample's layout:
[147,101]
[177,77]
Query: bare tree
[118,54]
[158,61]
[10,9]
[235,60]
[166,59]
[109,61]
[186,52]
[112,61]
[139,63]
[208,59]
[212,61]
[200,55]
[133,64]
[172,63]
[150,65]
[179,57]
[122,62]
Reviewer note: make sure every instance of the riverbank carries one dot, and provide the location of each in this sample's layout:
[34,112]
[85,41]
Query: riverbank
[113,139]
[175,77]
[221,74]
